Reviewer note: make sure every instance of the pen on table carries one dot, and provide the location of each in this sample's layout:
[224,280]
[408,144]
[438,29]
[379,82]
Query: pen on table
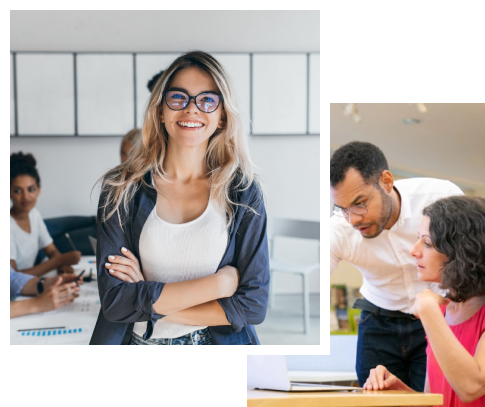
[70,241]
[41,329]
[77,278]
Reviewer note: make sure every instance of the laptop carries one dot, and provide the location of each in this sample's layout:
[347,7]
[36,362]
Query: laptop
[270,373]
[93,241]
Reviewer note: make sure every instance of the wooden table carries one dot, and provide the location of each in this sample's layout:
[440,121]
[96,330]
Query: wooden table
[264,398]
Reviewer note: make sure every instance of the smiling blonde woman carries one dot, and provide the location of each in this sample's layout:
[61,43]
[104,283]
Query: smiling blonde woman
[182,248]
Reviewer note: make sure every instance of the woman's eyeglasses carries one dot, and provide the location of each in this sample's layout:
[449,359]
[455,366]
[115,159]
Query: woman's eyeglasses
[206,102]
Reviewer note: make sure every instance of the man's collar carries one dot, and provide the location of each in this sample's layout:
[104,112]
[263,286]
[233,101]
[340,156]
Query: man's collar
[405,212]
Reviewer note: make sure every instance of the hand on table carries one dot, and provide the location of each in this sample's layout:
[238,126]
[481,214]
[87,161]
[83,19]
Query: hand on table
[65,270]
[125,268]
[65,279]
[381,379]
[57,295]
[65,261]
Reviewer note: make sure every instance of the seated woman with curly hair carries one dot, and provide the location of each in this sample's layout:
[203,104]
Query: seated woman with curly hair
[450,250]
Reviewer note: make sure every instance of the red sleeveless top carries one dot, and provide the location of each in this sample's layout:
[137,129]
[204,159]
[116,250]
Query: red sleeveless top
[468,333]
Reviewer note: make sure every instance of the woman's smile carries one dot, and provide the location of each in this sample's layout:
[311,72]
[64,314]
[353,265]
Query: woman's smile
[190,125]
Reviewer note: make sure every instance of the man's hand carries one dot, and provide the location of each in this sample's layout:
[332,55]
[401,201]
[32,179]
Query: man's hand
[58,295]
[65,279]
[381,379]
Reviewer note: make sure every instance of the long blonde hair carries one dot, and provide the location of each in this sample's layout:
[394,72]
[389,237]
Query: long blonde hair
[227,154]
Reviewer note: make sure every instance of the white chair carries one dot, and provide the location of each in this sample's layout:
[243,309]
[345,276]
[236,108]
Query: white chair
[299,229]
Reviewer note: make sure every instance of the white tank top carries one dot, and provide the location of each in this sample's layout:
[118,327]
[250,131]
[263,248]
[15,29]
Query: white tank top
[178,252]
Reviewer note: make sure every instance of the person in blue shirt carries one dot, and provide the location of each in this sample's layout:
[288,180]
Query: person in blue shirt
[50,292]
[182,251]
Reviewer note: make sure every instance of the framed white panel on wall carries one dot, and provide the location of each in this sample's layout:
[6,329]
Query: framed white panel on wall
[45,94]
[238,67]
[12,97]
[279,93]
[105,90]
[147,65]
[314,118]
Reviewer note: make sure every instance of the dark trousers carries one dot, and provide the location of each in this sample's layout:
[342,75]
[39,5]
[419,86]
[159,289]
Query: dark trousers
[399,344]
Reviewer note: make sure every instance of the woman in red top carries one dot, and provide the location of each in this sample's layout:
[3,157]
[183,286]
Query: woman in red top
[451,251]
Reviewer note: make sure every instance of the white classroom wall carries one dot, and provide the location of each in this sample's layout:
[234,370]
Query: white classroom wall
[69,167]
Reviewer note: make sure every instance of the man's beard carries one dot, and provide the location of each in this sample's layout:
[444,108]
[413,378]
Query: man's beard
[386,212]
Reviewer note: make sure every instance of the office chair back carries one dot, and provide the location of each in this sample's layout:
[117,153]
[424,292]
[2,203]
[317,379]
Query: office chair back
[303,229]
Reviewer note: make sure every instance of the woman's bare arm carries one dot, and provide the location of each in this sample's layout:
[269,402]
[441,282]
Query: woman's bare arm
[65,260]
[187,294]
[56,260]
[40,269]
[210,314]
[464,372]
[181,295]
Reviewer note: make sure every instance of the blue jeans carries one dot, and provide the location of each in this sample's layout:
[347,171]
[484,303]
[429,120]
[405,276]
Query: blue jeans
[399,344]
[200,337]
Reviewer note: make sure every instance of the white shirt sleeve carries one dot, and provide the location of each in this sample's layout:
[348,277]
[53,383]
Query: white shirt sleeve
[454,190]
[13,244]
[45,238]
[335,249]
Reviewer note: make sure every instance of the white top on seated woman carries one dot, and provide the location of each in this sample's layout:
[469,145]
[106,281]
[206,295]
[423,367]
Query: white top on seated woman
[28,233]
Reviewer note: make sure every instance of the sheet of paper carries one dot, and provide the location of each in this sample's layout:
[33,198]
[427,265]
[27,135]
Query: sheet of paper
[87,303]
[65,336]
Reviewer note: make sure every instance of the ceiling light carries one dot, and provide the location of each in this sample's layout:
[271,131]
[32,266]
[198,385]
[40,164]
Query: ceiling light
[420,106]
[410,120]
[351,110]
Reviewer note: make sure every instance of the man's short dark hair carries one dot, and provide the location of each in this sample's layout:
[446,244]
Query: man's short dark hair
[366,158]
[457,229]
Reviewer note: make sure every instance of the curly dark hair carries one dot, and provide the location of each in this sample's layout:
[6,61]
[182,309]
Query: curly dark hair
[366,158]
[457,229]
[23,164]
[151,83]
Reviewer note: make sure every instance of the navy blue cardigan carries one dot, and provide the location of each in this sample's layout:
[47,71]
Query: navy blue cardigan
[123,303]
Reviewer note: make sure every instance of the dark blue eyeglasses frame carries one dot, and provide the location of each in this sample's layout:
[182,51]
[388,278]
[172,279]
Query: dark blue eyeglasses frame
[190,98]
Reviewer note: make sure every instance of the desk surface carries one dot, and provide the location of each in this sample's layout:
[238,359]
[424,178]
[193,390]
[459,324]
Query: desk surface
[264,398]
[318,376]
[76,321]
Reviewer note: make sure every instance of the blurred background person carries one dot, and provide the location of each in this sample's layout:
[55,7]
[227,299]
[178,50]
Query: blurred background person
[28,232]
[151,83]
[128,142]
